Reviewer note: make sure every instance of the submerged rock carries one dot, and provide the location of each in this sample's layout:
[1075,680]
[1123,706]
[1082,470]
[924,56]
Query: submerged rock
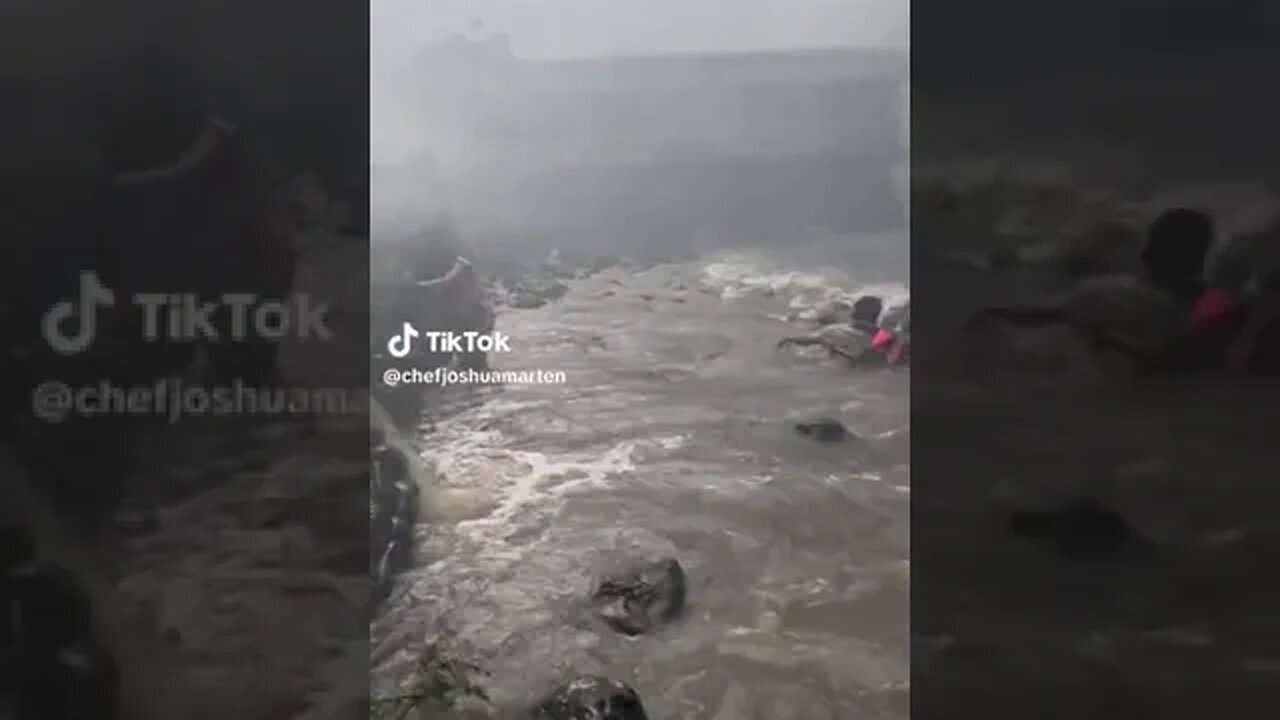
[1080,529]
[591,698]
[823,430]
[531,295]
[639,599]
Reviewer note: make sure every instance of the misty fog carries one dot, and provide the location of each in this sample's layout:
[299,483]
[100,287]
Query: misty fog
[612,129]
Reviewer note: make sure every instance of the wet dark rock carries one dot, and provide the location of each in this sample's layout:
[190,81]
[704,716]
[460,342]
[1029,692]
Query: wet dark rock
[641,598]
[1082,528]
[823,430]
[391,464]
[393,511]
[529,295]
[591,698]
[443,292]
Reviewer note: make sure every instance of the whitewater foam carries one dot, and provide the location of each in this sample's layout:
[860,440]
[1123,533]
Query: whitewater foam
[518,478]
[805,293]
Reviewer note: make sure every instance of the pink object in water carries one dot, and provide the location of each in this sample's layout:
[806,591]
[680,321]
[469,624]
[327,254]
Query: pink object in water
[882,340]
[895,349]
[1212,307]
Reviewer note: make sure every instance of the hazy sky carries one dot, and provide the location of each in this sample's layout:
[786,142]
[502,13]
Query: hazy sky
[559,28]
[569,28]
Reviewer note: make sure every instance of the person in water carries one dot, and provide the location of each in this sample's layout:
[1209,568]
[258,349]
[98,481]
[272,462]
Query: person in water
[1174,256]
[864,340]
[1226,329]
[1220,326]
[892,340]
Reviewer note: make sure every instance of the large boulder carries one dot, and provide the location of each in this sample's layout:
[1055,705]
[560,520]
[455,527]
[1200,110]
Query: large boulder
[1082,528]
[591,698]
[823,430]
[426,280]
[642,597]
[532,293]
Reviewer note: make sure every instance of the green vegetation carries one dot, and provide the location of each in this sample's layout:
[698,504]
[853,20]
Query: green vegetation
[441,687]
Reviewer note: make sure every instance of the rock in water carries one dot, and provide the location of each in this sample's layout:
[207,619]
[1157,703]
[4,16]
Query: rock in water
[1081,529]
[591,698]
[534,294]
[823,430]
[393,496]
[638,600]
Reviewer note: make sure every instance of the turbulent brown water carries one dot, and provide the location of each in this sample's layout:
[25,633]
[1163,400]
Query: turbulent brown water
[1189,629]
[672,436]
[1185,462]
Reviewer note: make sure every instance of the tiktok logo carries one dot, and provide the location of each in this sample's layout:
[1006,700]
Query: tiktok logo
[400,345]
[93,295]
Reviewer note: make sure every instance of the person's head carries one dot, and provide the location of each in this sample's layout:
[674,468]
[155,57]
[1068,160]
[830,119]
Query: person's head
[1177,245]
[867,310]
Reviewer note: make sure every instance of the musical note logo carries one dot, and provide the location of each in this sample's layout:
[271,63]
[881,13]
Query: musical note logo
[93,294]
[400,345]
